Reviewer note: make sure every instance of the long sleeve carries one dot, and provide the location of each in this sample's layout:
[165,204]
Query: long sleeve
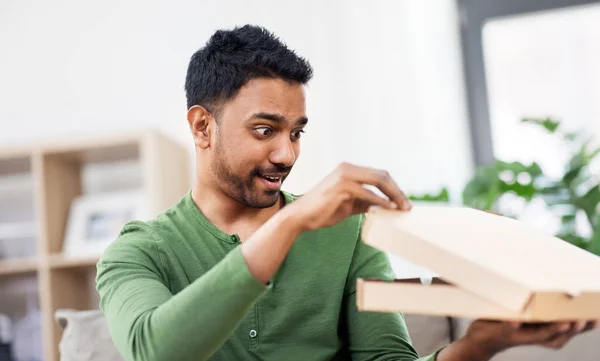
[148,323]
[375,336]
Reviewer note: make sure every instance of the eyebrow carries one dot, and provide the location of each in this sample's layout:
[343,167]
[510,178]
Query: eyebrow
[277,118]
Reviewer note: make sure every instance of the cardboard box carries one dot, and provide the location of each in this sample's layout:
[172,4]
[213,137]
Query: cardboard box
[490,266]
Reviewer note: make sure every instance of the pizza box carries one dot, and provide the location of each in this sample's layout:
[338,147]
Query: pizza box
[489,266]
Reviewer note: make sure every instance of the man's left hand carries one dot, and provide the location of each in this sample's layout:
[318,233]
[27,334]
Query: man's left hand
[484,338]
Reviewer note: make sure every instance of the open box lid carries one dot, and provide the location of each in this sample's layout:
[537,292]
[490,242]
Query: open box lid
[496,257]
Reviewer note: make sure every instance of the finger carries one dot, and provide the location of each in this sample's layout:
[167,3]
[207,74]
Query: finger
[361,206]
[559,341]
[367,197]
[580,326]
[562,338]
[537,334]
[515,324]
[380,179]
[562,327]
[590,325]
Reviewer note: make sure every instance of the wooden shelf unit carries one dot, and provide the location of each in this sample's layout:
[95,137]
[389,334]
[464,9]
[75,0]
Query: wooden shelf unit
[57,261]
[18,266]
[56,171]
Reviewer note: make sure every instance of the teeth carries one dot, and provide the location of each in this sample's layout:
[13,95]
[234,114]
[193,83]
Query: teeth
[274,179]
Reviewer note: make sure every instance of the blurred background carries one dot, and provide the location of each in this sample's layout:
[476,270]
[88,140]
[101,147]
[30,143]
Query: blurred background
[494,104]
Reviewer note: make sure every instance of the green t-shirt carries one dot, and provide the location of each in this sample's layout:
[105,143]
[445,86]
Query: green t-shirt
[177,288]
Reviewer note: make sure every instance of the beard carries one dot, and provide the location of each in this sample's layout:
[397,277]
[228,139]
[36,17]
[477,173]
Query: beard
[243,189]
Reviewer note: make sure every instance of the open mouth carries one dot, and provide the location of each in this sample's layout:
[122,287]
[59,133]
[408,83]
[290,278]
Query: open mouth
[271,181]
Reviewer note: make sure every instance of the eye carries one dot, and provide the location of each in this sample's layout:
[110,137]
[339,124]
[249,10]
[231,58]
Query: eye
[297,134]
[264,131]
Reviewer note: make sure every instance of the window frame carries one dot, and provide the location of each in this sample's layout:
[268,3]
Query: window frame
[473,14]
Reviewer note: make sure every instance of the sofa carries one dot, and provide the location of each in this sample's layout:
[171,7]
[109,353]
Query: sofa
[86,338]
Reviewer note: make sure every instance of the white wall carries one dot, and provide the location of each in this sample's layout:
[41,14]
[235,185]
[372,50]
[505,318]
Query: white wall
[387,90]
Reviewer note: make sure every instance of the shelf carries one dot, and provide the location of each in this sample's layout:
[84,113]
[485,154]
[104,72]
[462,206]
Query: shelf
[11,163]
[109,153]
[17,230]
[16,183]
[18,266]
[38,184]
[58,261]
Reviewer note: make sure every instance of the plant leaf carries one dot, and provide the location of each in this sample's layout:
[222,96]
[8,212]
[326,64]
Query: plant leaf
[515,167]
[594,243]
[526,191]
[593,154]
[568,224]
[535,170]
[573,239]
[589,202]
[576,164]
[442,196]
[570,137]
[482,191]
[549,124]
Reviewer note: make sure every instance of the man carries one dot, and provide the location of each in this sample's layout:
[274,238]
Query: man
[241,270]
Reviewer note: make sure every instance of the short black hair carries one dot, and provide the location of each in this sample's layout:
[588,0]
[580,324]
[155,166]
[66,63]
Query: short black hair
[231,58]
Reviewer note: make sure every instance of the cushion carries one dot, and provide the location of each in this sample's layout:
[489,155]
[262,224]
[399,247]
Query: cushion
[428,333]
[85,337]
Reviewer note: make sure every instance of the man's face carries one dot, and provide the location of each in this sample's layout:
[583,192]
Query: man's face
[257,140]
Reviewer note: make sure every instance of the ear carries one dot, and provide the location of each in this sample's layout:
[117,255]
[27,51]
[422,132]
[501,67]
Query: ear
[200,121]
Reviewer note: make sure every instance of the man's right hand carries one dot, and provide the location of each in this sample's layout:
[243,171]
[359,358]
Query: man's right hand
[342,194]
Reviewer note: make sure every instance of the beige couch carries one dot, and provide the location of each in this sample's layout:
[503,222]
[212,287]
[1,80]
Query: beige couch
[86,338]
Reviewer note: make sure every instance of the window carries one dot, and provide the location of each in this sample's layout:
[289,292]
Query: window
[529,58]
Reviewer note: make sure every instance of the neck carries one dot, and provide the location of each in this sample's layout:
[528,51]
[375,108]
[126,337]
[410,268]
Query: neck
[228,214]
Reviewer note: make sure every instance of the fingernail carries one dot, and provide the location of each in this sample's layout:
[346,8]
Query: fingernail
[406,205]
[393,205]
[565,327]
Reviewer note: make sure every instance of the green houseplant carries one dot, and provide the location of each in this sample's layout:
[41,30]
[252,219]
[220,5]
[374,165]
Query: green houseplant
[575,191]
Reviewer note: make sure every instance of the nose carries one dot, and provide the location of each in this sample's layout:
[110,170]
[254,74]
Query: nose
[284,154]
